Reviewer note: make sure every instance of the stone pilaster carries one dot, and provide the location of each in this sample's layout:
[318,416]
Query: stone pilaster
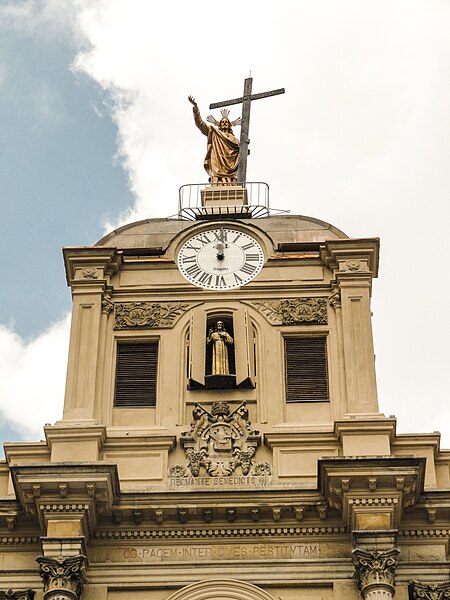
[429,591]
[89,272]
[63,578]
[354,264]
[27,594]
[375,573]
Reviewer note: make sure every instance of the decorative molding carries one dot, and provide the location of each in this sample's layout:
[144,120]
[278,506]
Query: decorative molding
[221,588]
[424,533]
[219,441]
[107,305]
[63,578]
[16,540]
[65,508]
[148,315]
[375,570]
[429,591]
[27,594]
[295,311]
[89,273]
[217,532]
[354,265]
[335,299]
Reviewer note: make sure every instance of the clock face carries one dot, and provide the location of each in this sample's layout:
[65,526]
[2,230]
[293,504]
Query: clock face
[220,259]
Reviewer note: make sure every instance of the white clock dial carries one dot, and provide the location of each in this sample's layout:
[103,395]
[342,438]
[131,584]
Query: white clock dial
[220,259]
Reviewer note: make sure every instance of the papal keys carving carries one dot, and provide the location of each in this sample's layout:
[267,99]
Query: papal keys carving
[219,442]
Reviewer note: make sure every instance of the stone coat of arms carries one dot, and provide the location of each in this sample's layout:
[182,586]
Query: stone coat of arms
[220,441]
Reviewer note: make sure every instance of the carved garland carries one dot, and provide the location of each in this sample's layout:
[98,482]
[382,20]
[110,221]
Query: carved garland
[298,311]
[147,315]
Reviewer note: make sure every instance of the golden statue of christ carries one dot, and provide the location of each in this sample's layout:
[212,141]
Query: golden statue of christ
[222,154]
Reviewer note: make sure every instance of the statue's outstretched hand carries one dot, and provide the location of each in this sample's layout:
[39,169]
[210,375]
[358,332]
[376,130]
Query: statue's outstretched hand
[192,100]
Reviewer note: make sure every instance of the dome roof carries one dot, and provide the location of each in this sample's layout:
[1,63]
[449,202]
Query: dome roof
[281,229]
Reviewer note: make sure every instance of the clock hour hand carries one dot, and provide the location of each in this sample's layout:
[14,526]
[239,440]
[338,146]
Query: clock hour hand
[220,246]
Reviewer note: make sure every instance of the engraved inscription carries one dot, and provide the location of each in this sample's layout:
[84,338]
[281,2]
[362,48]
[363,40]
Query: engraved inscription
[215,552]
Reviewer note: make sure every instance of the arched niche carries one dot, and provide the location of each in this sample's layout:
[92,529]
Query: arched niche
[221,589]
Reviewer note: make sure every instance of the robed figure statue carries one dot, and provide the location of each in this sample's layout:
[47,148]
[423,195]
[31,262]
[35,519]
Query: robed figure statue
[222,154]
[220,340]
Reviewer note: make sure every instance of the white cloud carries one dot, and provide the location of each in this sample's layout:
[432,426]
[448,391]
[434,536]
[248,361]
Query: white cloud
[46,18]
[33,377]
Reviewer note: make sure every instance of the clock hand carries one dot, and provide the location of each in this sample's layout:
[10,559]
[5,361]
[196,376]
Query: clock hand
[220,246]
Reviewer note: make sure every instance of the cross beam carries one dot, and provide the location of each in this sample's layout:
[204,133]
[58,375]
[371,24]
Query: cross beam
[246,101]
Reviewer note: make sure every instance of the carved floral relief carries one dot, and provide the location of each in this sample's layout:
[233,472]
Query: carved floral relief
[147,315]
[296,311]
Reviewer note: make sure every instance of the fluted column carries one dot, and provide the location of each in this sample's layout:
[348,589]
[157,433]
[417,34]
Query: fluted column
[429,591]
[63,578]
[375,573]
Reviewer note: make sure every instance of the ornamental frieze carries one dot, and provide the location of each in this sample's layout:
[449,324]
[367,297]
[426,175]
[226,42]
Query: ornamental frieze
[220,442]
[148,315]
[297,311]
[429,591]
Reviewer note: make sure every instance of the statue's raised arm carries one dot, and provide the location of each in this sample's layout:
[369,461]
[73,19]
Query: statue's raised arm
[222,155]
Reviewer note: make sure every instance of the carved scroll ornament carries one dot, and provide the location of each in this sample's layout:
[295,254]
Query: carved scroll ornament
[297,311]
[220,441]
[430,591]
[375,570]
[63,577]
[147,315]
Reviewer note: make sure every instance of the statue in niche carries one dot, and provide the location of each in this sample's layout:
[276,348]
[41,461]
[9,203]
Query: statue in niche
[220,340]
[222,154]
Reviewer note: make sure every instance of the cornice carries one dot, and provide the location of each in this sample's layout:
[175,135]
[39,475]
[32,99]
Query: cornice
[371,487]
[352,258]
[90,266]
[217,532]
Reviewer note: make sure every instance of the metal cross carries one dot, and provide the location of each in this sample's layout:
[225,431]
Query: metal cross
[246,100]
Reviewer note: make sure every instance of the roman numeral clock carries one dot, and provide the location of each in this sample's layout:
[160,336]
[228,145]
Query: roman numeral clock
[220,259]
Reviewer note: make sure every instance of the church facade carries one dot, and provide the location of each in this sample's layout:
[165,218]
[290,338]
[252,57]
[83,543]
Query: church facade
[221,435]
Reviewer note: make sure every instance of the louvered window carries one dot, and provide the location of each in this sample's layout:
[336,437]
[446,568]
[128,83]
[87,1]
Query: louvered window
[136,370]
[306,369]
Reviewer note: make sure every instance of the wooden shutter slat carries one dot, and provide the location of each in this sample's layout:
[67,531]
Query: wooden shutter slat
[306,369]
[136,374]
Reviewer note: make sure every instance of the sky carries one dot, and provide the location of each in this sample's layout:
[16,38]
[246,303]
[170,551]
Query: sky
[96,131]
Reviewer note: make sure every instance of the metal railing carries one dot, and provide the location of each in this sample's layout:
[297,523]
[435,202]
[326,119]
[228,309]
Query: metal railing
[206,200]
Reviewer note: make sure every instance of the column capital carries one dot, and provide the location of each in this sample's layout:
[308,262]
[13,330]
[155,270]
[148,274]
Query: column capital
[375,570]
[429,591]
[63,578]
[27,594]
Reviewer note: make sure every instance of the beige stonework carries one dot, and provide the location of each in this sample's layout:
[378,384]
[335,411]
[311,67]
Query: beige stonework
[226,492]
